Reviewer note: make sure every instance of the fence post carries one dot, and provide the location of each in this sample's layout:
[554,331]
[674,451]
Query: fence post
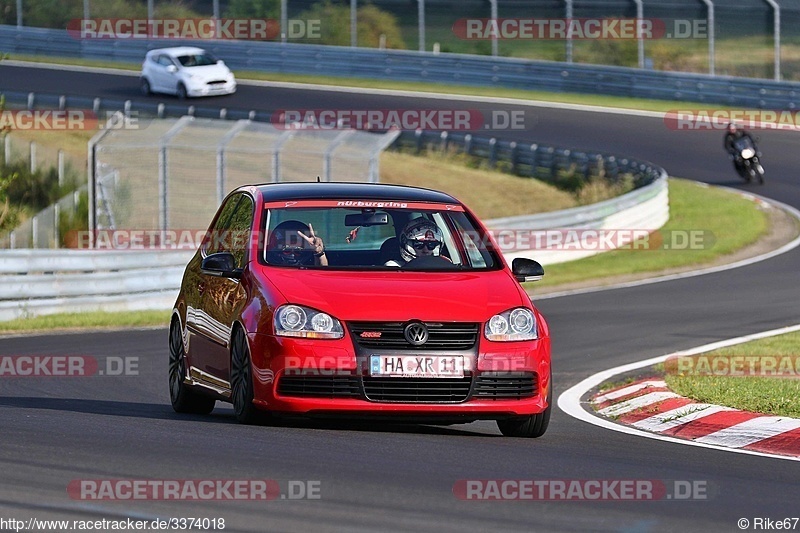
[534,148]
[32,154]
[710,6]
[35,231]
[7,149]
[60,168]
[467,143]
[56,217]
[492,152]
[421,24]
[418,138]
[513,146]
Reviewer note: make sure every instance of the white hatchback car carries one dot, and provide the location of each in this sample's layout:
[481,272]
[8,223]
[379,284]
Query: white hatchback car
[185,71]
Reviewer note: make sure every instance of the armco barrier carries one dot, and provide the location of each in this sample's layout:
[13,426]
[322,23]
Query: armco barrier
[458,69]
[40,282]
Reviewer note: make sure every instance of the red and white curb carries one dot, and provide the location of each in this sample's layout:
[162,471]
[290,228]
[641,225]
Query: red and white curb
[649,409]
[651,406]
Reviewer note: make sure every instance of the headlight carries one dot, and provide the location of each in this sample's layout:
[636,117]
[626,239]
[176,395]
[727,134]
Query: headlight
[299,321]
[747,153]
[517,324]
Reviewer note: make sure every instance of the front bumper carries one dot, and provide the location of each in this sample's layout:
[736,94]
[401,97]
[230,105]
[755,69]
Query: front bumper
[328,378]
[204,89]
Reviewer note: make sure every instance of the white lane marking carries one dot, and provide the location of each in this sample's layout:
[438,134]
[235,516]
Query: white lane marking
[637,403]
[692,273]
[677,417]
[73,68]
[751,431]
[627,391]
[570,400]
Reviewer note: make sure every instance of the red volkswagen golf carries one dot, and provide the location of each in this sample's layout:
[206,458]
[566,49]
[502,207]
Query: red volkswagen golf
[358,300]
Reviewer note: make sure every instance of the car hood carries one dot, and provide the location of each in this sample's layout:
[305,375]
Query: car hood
[208,72]
[400,296]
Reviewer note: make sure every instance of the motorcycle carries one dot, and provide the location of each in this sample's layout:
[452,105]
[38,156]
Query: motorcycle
[747,160]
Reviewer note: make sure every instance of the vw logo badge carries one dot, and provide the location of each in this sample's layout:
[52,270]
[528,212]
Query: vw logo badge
[416,333]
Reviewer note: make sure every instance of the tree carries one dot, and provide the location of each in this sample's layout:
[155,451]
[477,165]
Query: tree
[260,9]
[372,23]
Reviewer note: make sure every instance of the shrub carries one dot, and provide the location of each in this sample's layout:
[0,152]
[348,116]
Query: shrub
[372,23]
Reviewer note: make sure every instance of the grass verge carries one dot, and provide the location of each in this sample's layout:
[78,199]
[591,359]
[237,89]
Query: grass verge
[768,395]
[724,221]
[93,319]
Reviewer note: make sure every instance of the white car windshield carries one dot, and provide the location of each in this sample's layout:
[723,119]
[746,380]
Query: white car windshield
[197,60]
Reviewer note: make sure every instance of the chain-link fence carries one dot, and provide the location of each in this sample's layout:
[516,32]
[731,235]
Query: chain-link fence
[729,37]
[173,173]
[46,168]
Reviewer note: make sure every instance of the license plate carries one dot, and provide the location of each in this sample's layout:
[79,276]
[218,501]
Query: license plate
[417,366]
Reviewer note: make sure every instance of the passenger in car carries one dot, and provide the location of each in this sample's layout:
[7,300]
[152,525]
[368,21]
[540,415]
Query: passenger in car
[294,243]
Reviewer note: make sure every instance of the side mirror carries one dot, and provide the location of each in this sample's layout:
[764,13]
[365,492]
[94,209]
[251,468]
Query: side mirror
[220,62]
[221,264]
[526,269]
[172,69]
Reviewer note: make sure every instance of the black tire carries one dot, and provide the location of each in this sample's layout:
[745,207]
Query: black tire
[145,87]
[183,398]
[242,382]
[182,94]
[531,427]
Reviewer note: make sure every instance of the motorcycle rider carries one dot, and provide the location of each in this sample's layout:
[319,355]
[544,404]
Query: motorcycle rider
[735,133]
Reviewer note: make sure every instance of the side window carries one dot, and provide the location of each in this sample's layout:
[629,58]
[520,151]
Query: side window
[217,239]
[239,226]
[164,61]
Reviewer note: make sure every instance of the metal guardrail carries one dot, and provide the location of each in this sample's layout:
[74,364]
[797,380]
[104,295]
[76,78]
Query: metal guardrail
[458,69]
[34,282]
[644,208]
[50,281]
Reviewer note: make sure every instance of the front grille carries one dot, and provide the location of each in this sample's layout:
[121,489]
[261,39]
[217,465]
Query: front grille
[506,385]
[441,335]
[320,386]
[417,390]
[216,82]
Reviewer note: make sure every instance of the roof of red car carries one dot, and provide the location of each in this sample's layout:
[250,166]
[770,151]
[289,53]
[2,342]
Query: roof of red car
[372,191]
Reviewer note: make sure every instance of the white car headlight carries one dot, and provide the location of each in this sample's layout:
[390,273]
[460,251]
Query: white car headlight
[518,324]
[299,321]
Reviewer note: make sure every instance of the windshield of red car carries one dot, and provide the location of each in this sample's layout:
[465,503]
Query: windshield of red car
[371,235]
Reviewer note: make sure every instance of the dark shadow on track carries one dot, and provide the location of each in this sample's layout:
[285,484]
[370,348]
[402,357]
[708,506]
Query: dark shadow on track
[224,416]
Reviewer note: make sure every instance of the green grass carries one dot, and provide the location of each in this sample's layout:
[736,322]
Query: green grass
[727,221]
[94,319]
[768,395]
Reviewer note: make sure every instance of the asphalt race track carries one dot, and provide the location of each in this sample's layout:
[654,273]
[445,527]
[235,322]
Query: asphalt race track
[401,478]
